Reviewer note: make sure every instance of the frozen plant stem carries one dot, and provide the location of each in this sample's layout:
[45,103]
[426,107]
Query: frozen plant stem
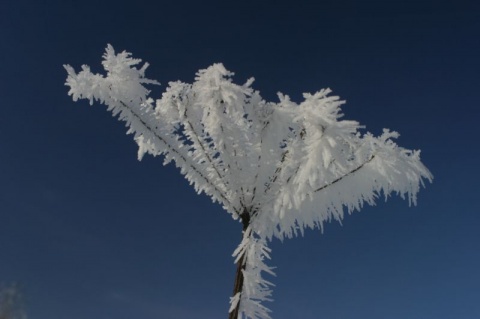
[298,164]
[238,285]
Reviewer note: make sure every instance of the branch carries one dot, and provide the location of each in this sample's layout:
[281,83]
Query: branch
[174,150]
[203,149]
[277,172]
[342,177]
[197,141]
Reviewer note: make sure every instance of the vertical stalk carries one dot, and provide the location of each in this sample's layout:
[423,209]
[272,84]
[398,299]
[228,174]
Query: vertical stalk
[238,285]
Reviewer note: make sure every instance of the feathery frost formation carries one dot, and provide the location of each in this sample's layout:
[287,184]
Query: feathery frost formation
[278,167]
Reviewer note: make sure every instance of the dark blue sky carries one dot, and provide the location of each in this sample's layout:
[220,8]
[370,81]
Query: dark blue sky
[90,232]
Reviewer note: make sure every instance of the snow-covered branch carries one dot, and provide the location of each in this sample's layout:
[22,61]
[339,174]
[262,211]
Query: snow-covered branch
[344,176]
[251,254]
[123,92]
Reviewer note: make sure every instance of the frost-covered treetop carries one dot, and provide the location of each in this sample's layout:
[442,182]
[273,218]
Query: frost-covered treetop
[278,166]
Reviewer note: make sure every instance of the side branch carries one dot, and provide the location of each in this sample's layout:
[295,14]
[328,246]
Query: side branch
[342,177]
[172,149]
[277,172]
[202,147]
[209,158]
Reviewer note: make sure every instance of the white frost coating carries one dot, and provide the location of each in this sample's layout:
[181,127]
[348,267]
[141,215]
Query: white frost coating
[234,302]
[288,166]
[255,288]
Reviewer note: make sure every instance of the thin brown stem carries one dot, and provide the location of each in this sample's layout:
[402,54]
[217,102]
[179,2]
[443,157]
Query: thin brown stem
[348,174]
[238,285]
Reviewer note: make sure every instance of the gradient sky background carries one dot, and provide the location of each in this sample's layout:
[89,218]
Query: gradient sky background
[91,233]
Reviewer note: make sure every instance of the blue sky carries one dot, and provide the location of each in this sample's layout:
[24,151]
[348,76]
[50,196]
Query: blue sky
[90,232]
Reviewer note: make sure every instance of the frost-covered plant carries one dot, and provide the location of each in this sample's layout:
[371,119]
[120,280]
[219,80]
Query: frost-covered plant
[11,302]
[277,167]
